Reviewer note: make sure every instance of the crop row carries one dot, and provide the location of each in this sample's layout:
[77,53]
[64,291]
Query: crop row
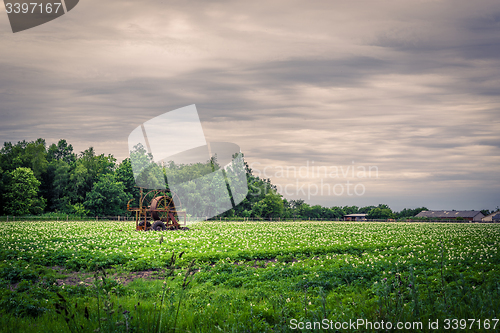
[78,245]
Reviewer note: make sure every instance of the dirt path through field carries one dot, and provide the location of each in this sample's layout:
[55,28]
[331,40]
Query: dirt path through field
[87,279]
[124,278]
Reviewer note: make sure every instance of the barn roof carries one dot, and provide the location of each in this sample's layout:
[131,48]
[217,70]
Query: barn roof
[493,214]
[448,213]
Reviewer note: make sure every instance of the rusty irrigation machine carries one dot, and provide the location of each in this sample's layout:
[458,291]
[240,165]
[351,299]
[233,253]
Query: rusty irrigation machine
[157,211]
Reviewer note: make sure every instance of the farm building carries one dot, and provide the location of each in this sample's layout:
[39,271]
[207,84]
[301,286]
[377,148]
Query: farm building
[468,215]
[355,217]
[493,217]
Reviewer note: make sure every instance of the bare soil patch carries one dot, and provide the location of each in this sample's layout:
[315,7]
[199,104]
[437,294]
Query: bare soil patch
[124,278]
[87,279]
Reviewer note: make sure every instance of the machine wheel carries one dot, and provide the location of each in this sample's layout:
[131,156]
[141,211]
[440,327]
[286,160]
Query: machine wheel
[159,226]
[142,224]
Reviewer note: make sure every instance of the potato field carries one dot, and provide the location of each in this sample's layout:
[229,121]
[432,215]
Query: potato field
[250,277]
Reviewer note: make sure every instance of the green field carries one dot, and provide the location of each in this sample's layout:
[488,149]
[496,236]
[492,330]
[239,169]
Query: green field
[249,277]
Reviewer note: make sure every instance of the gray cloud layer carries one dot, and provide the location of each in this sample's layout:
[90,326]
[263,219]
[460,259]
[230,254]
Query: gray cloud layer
[411,87]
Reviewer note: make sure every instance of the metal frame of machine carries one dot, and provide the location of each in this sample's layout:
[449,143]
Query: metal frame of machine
[157,211]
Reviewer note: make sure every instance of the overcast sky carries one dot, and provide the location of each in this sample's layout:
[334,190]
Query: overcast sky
[410,88]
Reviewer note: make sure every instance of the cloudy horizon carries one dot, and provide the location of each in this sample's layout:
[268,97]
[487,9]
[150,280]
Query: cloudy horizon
[411,88]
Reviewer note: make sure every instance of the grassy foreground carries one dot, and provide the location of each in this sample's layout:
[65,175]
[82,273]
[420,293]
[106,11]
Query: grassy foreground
[249,277]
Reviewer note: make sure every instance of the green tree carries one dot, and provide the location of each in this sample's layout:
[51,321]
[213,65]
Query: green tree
[61,152]
[333,213]
[78,209]
[486,212]
[272,205]
[146,172]
[257,190]
[365,210]
[78,184]
[304,210]
[316,212]
[35,157]
[338,212]
[350,209]
[61,173]
[96,165]
[108,197]
[295,207]
[257,209]
[61,161]
[25,154]
[246,213]
[408,212]
[3,178]
[125,174]
[9,156]
[287,209]
[22,196]
[84,173]
[381,212]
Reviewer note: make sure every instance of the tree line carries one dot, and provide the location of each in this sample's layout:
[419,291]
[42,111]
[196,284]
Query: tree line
[39,179]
